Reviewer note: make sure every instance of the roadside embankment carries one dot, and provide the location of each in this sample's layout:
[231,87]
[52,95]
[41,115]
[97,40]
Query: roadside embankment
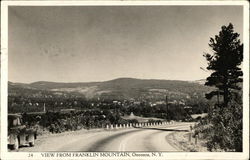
[187,143]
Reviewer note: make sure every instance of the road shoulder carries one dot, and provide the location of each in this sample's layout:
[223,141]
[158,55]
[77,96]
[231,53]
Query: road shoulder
[181,140]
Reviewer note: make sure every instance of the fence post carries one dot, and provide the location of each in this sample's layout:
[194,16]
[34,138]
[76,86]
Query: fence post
[191,128]
[111,127]
[190,137]
[196,139]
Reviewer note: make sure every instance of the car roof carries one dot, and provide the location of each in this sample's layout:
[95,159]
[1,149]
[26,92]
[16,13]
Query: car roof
[14,115]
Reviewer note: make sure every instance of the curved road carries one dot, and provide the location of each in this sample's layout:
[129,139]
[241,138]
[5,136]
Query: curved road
[151,138]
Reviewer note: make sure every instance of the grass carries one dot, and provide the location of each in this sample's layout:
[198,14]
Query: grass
[181,140]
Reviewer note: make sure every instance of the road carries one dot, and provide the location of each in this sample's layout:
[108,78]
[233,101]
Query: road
[152,138]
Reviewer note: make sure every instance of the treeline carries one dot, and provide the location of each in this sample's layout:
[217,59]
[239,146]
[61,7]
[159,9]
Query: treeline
[17,104]
[57,122]
[172,112]
[21,104]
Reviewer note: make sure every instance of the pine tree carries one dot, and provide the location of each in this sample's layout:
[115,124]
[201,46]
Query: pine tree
[225,63]
[226,120]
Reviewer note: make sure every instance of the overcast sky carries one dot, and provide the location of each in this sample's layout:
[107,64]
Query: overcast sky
[82,44]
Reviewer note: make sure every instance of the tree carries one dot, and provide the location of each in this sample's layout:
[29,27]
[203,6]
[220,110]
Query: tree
[226,129]
[224,62]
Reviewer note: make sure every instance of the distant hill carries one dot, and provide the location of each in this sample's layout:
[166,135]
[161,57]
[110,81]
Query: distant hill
[55,85]
[121,88]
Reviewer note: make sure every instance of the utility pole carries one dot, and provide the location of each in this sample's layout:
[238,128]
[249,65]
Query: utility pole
[218,98]
[167,104]
[44,109]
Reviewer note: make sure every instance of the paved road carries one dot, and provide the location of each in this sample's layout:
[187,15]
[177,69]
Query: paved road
[133,139]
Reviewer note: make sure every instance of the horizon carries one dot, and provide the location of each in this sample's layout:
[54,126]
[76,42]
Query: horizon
[110,80]
[99,43]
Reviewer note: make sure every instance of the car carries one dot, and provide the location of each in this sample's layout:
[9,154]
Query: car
[20,134]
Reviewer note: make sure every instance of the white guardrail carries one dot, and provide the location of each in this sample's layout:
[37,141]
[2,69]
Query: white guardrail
[135,125]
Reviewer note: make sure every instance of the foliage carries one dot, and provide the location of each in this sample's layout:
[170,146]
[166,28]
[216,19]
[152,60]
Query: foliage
[225,131]
[174,111]
[57,122]
[224,62]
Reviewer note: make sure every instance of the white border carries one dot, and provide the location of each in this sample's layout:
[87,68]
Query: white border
[246,80]
[167,155]
[4,75]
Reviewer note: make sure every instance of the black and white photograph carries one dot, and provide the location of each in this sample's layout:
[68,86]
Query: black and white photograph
[125,81]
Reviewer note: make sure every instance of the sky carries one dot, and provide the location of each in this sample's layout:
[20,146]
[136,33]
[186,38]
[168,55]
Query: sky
[97,43]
